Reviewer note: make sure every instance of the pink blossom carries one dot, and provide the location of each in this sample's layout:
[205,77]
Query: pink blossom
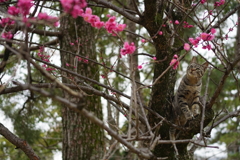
[140,67]
[217,4]
[120,27]
[42,16]
[154,58]
[203,1]
[88,10]
[143,40]
[24,6]
[13,10]
[174,62]
[112,26]
[186,46]
[73,7]
[99,24]
[2,1]
[207,37]
[41,49]
[186,25]
[50,69]
[226,37]
[210,12]
[127,48]
[7,35]
[93,19]
[86,17]
[50,19]
[76,11]
[194,41]
[103,76]
[85,60]
[160,33]
[176,22]
[213,30]
[112,19]
[209,47]
[6,21]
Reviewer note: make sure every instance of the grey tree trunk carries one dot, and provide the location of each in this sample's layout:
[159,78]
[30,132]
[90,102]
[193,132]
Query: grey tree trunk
[81,139]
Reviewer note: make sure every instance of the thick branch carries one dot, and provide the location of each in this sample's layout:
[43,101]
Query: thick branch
[19,143]
[72,86]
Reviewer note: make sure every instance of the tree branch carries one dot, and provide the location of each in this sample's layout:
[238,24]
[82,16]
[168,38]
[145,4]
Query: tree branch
[119,10]
[19,143]
[91,117]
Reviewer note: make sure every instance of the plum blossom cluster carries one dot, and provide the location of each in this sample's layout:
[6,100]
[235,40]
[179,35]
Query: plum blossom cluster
[84,60]
[186,25]
[176,22]
[6,21]
[45,58]
[73,7]
[22,8]
[49,19]
[128,48]
[219,3]
[94,20]
[216,4]
[205,37]
[7,35]
[174,62]
[111,25]
[141,65]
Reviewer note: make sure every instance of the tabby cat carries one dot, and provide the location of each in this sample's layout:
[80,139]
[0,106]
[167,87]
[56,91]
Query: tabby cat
[186,101]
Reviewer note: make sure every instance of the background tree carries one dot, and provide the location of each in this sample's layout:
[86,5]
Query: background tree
[173,27]
[82,139]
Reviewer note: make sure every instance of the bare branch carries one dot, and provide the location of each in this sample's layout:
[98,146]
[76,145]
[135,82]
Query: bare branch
[119,10]
[19,143]
[92,118]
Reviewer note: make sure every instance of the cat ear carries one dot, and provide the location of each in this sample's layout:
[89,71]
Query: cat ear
[194,59]
[205,65]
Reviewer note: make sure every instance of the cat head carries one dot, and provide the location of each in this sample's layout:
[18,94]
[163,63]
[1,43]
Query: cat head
[196,70]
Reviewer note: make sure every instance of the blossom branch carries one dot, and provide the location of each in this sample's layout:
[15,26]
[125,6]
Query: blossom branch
[119,10]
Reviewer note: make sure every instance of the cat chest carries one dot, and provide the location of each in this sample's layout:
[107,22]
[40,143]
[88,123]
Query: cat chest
[190,92]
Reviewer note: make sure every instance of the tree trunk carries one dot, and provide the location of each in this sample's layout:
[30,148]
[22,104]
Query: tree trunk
[81,139]
[163,89]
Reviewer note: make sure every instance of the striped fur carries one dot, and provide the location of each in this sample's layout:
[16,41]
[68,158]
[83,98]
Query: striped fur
[186,101]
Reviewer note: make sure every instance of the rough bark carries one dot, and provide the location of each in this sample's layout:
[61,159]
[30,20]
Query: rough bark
[81,138]
[19,143]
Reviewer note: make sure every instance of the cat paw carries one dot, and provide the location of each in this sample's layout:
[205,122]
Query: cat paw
[195,115]
[188,115]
